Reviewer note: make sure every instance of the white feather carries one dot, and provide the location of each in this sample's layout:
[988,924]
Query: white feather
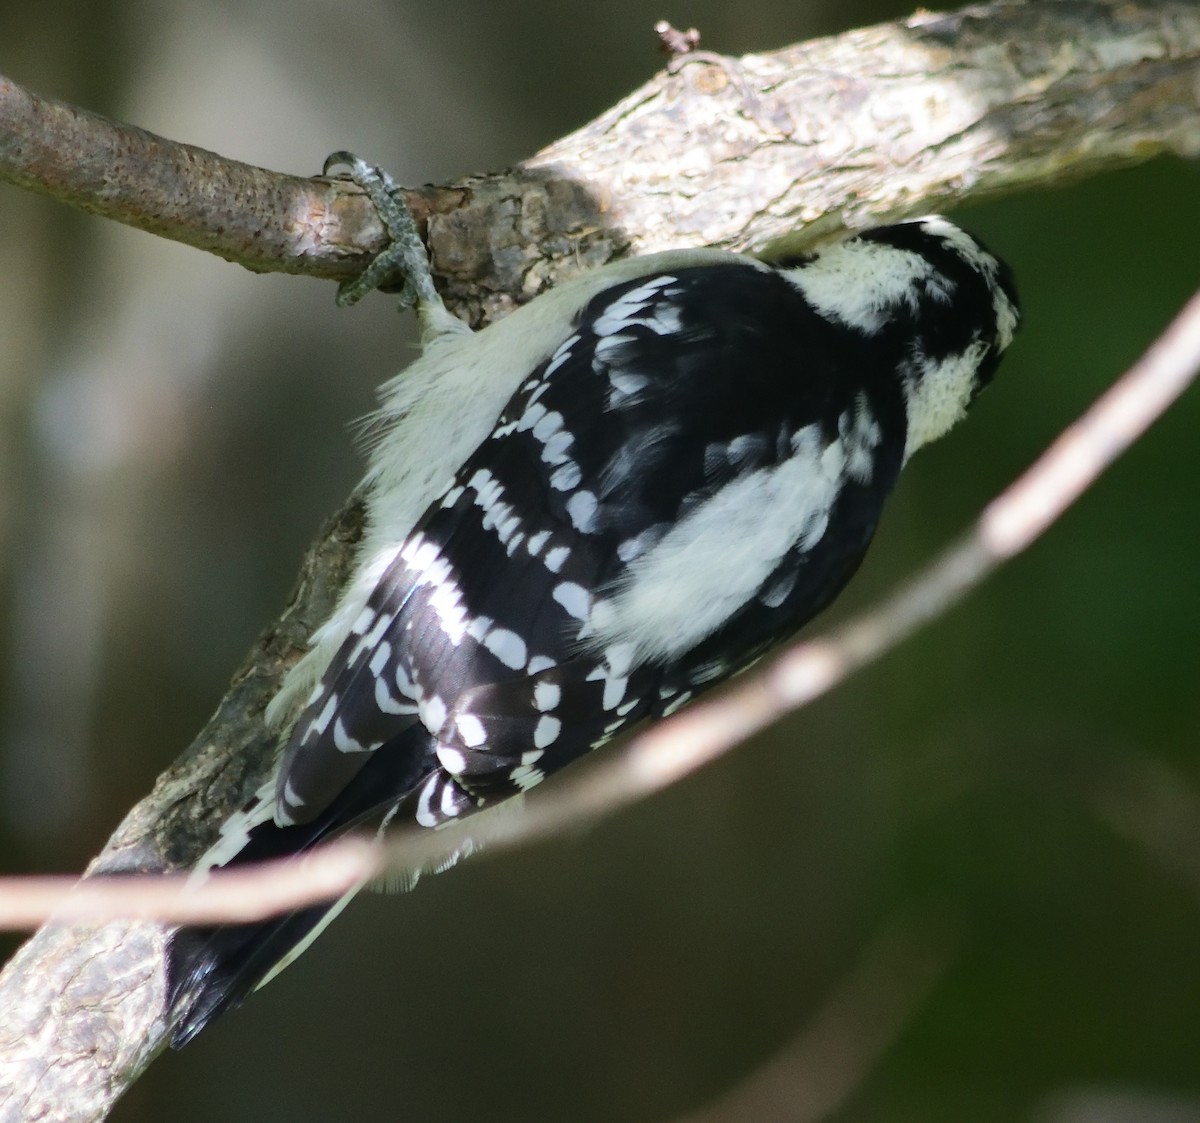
[712,562]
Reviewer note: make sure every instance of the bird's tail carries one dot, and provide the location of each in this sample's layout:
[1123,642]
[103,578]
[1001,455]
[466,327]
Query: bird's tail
[214,969]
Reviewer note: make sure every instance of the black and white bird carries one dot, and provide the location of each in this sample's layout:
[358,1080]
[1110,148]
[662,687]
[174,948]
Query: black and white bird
[587,514]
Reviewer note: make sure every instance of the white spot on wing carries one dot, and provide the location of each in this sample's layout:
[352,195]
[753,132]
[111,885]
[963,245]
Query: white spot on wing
[450,807]
[508,647]
[546,695]
[609,348]
[777,592]
[431,570]
[534,412]
[566,477]
[560,356]
[665,319]
[555,449]
[389,704]
[382,621]
[506,528]
[860,435]
[625,384]
[547,427]
[582,509]
[471,730]
[546,732]
[344,743]
[574,598]
[677,704]
[433,712]
[614,691]
[451,759]
[320,723]
[291,798]
[479,627]
[379,660]
[424,814]
[629,308]
[526,776]
[364,621]
[556,558]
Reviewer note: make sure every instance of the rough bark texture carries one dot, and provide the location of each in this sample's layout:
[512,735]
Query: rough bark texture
[835,133]
[800,143]
[84,1004]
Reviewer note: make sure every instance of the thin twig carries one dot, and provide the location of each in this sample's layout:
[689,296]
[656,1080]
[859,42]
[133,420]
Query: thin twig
[702,733]
[316,226]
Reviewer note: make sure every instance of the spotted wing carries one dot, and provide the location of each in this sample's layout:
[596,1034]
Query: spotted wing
[648,514]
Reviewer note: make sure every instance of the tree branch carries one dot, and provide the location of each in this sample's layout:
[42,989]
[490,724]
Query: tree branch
[836,133]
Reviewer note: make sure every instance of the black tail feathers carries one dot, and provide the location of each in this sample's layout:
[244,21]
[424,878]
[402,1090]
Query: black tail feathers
[211,970]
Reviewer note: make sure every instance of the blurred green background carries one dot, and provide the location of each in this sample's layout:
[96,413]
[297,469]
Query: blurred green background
[964,887]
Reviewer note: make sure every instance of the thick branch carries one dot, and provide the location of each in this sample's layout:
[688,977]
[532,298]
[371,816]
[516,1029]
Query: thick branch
[83,1005]
[871,125]
[840,132]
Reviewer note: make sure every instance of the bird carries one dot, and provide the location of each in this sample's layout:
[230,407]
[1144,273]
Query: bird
[585,515]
